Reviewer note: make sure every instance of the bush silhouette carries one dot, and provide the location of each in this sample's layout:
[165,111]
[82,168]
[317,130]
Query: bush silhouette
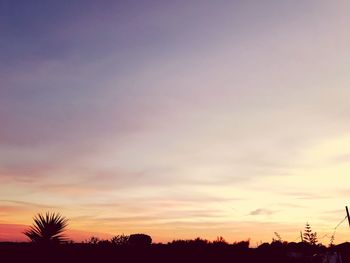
[47,229]
[242,244]
[140,240]
[220,241]
[92,240]
[120,240]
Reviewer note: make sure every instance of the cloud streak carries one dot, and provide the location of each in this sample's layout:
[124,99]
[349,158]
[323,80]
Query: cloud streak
[261,211]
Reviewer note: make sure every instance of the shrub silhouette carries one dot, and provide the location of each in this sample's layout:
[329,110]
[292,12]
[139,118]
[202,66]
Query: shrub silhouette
[92,240]
[199,242]
[309,236]
[220,241]
[242,244]
[47,229]
[140,240]
[120,240]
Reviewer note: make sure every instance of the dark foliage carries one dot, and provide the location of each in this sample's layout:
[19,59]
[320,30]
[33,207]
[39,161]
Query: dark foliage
[140,240]
[309,236]
[47,229]
[209,252]
[120,240]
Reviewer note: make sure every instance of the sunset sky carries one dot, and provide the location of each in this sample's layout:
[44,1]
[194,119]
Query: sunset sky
[176,119]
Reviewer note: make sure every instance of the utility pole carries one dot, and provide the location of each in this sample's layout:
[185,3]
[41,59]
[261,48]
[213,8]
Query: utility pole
[347,214]
[301,236]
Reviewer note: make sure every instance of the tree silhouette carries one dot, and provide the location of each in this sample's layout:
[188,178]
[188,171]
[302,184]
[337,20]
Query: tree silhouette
[309,236]
[120,240]
[47,229]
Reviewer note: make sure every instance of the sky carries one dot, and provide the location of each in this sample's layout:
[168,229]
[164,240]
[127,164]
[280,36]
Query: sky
[176,118]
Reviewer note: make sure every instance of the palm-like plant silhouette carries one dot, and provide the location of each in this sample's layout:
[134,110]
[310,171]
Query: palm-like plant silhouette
[47,229]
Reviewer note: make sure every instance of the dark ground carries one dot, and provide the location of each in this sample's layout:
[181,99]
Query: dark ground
[293,252]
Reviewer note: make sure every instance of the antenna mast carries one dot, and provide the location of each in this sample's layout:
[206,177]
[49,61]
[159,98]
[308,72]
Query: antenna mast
[347,214]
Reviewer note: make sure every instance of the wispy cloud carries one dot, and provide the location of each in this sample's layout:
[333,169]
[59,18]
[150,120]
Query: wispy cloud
[262,211]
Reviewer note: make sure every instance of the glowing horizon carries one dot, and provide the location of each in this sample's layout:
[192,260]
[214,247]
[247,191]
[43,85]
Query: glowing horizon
[176,119]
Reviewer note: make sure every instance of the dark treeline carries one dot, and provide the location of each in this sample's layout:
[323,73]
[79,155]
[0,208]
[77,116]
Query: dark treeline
[49,244]
[197,250]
